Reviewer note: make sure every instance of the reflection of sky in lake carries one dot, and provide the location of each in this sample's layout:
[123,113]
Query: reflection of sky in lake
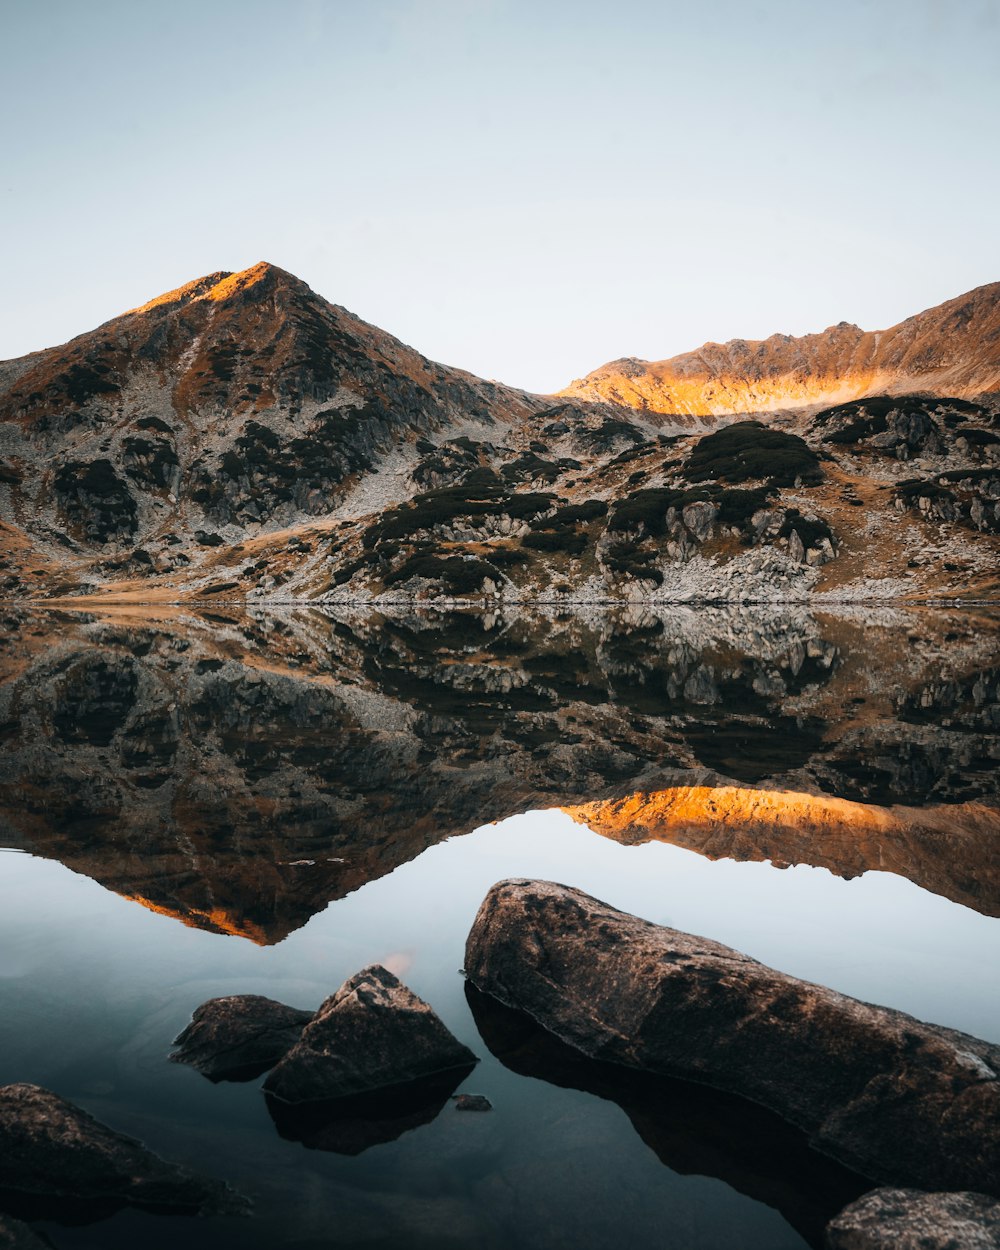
[93,987]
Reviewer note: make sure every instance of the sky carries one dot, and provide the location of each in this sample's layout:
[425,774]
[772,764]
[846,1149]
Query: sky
[522,189]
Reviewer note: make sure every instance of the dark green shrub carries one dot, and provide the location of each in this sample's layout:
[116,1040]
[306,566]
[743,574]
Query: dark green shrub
[749,450]
[461,575]
[812,533]
[567,540]
[590,510]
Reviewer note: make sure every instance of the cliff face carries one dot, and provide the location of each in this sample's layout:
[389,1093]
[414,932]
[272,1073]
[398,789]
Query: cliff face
[953,350]
[241,438]
[240,771]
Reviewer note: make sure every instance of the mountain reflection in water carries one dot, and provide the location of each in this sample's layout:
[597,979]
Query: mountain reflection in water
[239,771]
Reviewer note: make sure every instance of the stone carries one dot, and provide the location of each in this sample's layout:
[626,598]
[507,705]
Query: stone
[239,1037]
[908,1219]
[471,1102]
[17,1236]
[900,1101]
[698,517]
[372,1034]
[53,1153]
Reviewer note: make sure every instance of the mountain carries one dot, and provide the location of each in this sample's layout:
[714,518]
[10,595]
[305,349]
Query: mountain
[242,438]
[953,350]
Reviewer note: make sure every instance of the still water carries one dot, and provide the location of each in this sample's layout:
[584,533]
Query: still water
[202,806]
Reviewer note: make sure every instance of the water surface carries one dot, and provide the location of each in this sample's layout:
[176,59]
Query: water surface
[199,806]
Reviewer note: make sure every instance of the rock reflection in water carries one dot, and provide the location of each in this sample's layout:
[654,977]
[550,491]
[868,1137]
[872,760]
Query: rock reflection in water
[349,1126]
[240,771]
[690,1128]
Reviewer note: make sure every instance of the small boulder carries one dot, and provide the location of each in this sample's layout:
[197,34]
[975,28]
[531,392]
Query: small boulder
[52,1153]
[239,1037]
[909,1219]
[897,1100]
[373,1033]
[471,1102]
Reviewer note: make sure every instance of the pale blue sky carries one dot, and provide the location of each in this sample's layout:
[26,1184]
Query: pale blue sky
[523,189]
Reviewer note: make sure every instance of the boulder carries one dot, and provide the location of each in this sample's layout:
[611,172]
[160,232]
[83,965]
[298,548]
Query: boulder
[53,1153]
[373,1033]
[897,1100]
[239,1037]
[17,1236]
[907,1219]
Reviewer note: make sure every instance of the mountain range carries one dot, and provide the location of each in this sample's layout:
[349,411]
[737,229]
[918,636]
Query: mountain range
[242,438]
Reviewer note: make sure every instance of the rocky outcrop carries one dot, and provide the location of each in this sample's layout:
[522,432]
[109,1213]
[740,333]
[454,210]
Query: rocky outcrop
[895,1099]
[372,1034]
[239,1037]
[53,1156]
[907,1219]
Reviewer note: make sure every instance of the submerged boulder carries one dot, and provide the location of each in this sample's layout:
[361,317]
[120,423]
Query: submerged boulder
[239,1037]
[897,1100]
[52,1152]
[907,1219]
[373,1033]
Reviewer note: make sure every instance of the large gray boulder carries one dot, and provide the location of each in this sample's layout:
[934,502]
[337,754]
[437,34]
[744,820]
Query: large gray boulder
[239,1037]
[53,1152]
[900,1101]
[907,1219]
[373,1033]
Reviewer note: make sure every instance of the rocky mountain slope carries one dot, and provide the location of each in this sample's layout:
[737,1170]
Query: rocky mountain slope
[238,770]
[953,349]
[241,438]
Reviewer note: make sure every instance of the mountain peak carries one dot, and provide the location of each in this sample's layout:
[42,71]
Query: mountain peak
[224,284]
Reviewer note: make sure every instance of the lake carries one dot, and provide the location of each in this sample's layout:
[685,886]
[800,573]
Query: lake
[204,803]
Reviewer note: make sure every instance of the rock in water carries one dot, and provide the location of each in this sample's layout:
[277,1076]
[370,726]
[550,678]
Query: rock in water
[239,1037]
[371,1034]
[17,1236]
[899,1101]
[906,1219]
[53,1152]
